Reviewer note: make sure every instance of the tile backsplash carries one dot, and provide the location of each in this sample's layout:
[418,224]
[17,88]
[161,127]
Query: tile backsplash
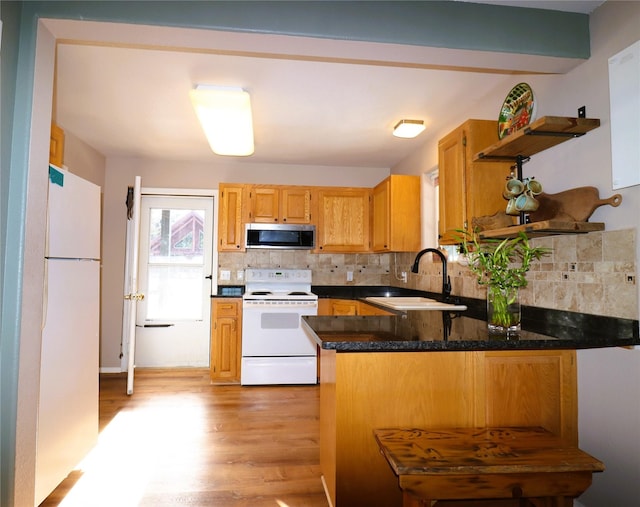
[589,273]
[328,269]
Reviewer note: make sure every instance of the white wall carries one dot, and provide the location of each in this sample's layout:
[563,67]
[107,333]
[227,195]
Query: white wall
[83,160]
[608,379]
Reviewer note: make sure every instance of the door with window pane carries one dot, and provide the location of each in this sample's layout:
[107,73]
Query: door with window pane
[173,325]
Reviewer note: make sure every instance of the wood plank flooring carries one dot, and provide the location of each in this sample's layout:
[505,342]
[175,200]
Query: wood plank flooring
[180,441]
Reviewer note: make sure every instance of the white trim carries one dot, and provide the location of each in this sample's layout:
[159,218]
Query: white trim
[111,369]
[194,192]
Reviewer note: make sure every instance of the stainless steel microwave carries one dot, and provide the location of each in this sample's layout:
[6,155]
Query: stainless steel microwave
[289,236]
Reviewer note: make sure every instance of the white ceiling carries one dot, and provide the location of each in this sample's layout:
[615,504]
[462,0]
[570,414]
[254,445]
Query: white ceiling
[124,91]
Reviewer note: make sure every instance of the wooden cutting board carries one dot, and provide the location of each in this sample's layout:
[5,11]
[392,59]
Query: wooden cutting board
[576,204]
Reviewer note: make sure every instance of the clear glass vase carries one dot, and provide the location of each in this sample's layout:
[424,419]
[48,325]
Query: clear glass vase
[503,311]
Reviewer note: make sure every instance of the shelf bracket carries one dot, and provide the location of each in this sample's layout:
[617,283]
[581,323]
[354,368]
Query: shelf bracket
[520,160]
[549,133]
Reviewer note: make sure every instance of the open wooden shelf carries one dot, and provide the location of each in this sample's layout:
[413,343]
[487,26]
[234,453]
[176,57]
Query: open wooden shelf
[540,135]
[544,133]
[544,228]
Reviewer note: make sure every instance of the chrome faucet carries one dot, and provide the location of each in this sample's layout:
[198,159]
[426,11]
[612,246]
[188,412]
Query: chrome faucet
[446,281]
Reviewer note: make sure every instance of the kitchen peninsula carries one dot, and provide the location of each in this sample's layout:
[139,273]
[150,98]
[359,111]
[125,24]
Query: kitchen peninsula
[432,369]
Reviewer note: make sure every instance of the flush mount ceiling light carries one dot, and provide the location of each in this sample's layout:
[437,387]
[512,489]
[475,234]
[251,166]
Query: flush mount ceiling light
[408,128]
[225,115]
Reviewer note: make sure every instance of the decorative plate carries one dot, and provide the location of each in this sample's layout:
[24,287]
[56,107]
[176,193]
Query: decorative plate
[517,111]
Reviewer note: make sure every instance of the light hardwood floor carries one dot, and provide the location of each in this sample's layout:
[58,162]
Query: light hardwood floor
[180,441]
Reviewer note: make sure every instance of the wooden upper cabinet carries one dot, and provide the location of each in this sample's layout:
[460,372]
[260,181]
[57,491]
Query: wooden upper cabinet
[296,205]
[395,215]
[56,146]
[343,219]
[280,204]
[468,189]
[230,218]
[380,217]
[265,204]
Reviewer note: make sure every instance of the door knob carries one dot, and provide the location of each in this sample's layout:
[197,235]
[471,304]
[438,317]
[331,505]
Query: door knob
[135,297]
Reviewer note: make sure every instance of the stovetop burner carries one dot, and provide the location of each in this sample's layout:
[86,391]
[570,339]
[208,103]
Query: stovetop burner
[265,284]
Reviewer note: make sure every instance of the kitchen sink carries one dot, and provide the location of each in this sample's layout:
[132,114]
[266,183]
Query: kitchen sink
[414,303]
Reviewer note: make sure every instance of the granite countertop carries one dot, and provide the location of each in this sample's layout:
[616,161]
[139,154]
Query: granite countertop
[436,330]
[229,291]
[335,291]
[467,331]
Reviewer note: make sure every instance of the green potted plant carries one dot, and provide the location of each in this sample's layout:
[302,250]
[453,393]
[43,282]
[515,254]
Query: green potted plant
[502,265]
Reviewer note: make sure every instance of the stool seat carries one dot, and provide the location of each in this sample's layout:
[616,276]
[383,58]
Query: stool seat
[485,463]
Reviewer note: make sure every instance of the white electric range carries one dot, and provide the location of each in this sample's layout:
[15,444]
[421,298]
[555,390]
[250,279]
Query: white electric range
[275,348]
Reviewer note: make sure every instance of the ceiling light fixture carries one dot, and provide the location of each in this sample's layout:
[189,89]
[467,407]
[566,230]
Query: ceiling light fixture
[225,115]
[408,128]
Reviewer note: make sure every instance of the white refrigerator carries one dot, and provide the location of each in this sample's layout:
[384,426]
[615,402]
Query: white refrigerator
[68,404]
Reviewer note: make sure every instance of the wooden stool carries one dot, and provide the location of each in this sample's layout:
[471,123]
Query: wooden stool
[486,463]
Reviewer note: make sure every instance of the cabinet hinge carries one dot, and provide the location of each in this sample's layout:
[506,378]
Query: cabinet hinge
[464,140]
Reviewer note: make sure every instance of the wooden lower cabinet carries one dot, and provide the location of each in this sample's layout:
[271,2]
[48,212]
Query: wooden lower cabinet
[524,388]
[226,340]
[336,306]
[360,392]
[367,309]
[344,307]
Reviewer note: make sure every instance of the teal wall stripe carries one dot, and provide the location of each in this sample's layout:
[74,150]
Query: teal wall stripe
[443,24]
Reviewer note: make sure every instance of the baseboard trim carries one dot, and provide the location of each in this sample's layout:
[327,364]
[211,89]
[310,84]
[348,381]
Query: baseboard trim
[111,370]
